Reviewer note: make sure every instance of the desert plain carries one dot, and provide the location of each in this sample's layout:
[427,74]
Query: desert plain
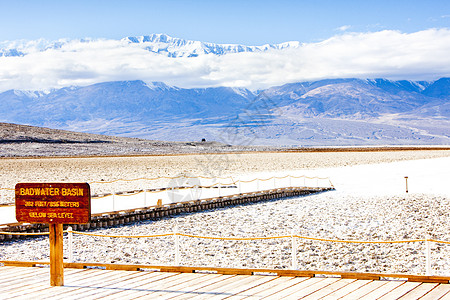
[342,214]
[119,169]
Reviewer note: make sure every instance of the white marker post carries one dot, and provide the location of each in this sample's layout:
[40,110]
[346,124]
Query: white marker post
[406,179]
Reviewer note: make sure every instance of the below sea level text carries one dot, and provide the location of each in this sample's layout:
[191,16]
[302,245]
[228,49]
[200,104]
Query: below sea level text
[51,215]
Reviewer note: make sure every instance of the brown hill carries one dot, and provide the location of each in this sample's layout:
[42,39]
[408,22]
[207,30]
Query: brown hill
[30,141]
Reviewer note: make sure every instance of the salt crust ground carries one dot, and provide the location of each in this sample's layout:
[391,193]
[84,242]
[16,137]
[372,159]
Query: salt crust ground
[347,213]
[212,165]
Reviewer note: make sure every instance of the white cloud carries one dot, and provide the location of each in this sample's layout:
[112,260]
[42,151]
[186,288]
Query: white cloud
[391,54]
[343,28]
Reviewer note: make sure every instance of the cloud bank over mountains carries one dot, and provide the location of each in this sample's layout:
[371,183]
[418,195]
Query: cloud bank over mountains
[41,65]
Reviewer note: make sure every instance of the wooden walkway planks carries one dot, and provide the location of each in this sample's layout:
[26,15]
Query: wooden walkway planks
[381,291]
[342,292]
[34,283]
[303,292]
[190,287]
[257,291]
[437,292]
[400,290]
[262,292]
[329,289]
[419,291]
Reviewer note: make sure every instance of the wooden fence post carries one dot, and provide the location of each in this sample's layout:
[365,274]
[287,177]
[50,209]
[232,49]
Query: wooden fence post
[428,257]
[113,201]
[70,241]
[56,255]
[294,252]
[177,246]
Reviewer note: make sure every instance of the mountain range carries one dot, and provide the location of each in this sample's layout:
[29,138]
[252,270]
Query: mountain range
[325,112]
[340,111]
[157,43]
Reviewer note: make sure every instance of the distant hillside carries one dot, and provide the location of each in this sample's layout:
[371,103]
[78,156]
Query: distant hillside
[29,141]
[14,133]
[331,112]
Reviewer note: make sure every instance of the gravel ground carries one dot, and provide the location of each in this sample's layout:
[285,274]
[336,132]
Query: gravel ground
[328,215]
[211,165]
[30,141]
[332,214]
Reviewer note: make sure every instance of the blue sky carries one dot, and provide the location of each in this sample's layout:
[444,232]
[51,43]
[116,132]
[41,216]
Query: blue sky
[242,22]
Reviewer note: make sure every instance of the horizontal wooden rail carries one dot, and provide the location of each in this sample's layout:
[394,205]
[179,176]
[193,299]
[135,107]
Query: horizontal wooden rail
[237,271]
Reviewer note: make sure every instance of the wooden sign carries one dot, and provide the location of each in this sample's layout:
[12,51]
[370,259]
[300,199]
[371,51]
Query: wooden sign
[53,203]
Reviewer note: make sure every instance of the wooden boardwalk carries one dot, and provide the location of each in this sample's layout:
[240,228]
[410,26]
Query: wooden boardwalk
[33,283]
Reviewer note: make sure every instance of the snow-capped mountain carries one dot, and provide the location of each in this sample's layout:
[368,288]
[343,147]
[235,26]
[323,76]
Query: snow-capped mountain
[122,99]
[157,43]
[175,47]
[349,98]
[25,47]
[325,112]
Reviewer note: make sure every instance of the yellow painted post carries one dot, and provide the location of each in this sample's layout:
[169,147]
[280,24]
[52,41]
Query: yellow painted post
[56,255]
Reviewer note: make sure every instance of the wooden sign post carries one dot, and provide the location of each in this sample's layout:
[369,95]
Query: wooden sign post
[55,204]
[56,254]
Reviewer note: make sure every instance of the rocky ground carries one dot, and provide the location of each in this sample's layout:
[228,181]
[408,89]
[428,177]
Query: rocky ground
[105,169]
[327,215]
[29,141]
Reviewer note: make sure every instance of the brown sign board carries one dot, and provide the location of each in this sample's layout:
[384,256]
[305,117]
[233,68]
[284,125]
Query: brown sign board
[56,203]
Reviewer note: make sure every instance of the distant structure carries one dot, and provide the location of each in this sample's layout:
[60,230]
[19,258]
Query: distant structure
[203,140]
